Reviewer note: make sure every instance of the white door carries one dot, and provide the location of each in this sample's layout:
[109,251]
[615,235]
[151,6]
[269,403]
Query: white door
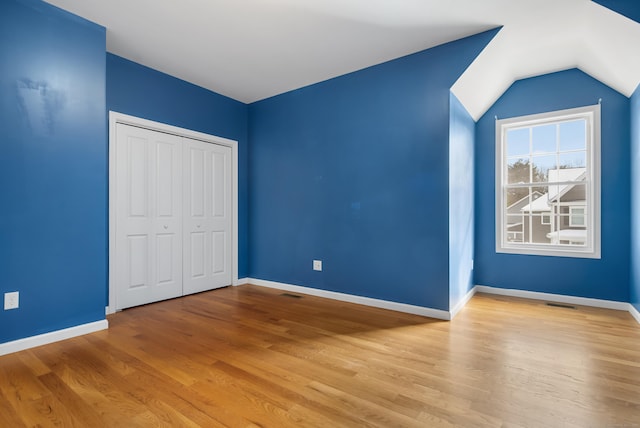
[149,208]
[207,216]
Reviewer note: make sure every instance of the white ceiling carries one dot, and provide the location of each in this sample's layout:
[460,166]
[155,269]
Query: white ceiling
[572,33]
[253,49]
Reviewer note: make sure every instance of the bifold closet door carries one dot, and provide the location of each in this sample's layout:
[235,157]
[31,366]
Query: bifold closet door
[207,216]
[149,211]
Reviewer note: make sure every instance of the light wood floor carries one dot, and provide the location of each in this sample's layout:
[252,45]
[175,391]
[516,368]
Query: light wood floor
[250,356]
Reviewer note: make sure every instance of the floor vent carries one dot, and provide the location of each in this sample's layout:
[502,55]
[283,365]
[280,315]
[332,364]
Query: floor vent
[293,296]
[560,305]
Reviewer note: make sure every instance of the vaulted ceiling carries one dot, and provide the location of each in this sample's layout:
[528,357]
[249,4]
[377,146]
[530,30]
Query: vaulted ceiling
[253,49]
[580,34]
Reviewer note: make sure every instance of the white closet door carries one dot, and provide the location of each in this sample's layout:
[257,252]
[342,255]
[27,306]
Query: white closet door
[207,216]
[148,216]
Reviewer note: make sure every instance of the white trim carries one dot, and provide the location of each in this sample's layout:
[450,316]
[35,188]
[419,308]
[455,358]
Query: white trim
[462,303]
[367,301]
[560,298]
[242,281]
[634,312]
[54,336]
[114,119]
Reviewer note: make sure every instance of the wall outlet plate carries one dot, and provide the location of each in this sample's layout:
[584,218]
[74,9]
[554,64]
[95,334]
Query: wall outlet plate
[317,265]
[11,300]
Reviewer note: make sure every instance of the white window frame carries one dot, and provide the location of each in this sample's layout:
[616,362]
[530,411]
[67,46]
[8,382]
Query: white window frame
[591,249]
[542,217]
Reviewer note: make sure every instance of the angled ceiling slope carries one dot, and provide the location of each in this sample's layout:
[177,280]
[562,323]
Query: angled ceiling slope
[580,34]
[254,49]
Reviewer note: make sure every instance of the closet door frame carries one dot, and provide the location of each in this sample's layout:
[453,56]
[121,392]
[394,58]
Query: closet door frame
[120,118]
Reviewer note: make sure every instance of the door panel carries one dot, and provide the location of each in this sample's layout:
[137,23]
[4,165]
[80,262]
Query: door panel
[219,184]
[196,174]
[137,261]
[197,254]
[165,176]
[148,216]
[207,217]
[218,256]
[138,178]
[165,252]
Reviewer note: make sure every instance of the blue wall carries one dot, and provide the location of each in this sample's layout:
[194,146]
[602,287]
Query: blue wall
[143,92]
[607,278]
[635,199]
[631,9]
[461,202]
[371,172]
[354,171]
[53,169]
[628,8]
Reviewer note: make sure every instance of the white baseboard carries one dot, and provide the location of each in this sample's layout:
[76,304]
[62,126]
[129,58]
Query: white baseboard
[367,301]
[560,298]
[634,312]
[447,315]
[462,303]
[54,336]
[241,281]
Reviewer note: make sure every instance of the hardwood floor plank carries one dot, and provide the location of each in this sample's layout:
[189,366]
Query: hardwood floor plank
[69,401]
[8,415]
[250,357]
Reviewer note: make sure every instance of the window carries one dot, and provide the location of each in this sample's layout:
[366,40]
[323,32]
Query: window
[548,183]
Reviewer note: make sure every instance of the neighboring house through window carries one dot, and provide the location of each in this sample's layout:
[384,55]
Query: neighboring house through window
[548,183]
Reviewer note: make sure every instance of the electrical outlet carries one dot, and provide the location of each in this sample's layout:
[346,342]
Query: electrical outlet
[317,265]
[11,300]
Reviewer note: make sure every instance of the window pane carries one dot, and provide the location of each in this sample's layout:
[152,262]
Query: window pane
[571,225]
[514,228]
[514,221]
[577,217]
[518,142]
[573,196]
[519,199]
[573,135]
[541,166]
[524,218]
[564,175]
[539,230]
[518,170]
[573,160]
[544,139]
